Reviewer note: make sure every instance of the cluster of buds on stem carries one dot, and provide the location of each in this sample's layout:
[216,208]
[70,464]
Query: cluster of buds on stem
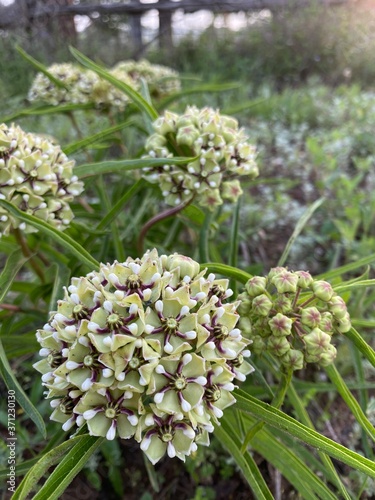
[293,316]
[223,151]
[83,86]
[161,80]
[149,349]
[37,178]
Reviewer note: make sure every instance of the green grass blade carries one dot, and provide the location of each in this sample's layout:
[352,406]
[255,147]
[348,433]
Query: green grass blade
[282,421]
[352,286]
[59,237]
[68,468]
[138,100]
[245,462]
[31,479]
[297,230]
[40,67]
[229,271]
[12,384]
[106,167]
[13,264]
[349,399]
[76,146]
[361,345]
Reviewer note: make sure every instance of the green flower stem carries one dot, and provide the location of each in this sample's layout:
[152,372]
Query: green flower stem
[204,237]
[27,253]
[233,251]
[157,218]
[277,402]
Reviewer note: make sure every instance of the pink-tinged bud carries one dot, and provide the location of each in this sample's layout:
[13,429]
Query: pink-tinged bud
[256,286]
[328,356]
[310,317]
[326,322]
[304,279]
[262,305]
[337,307]
[283,304]
[343,325]
[293,359]
[285,281]
[317,341]
[281,325]
[322,290]
[278,345]
[187,266]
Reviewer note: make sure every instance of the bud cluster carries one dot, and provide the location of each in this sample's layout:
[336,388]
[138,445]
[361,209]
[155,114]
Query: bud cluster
[37,178]
[293,316]
[83,86]
[160,79]
[148,349]
[223,150]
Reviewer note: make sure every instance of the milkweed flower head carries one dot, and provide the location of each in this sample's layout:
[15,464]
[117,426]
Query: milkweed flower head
[293,316]
[148,348]
[78,85]
[160,79]
[223,150]
[37,178]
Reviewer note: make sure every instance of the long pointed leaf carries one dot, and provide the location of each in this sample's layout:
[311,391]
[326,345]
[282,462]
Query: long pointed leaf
[59,237]
[107,167]
[40,67]
[282,421]
[229,271]
[245,462]
[357,339]
[12,384]
[99,136]
[139,101]
[68,468]
[13,264]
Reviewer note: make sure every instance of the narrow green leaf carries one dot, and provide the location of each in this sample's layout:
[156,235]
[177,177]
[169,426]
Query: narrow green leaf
[205,88]
[349,399]
[12,384]
[68,468]
[352,286]
[31,479]
[13,264]
[47,110]
[290,465]
[107,167]
[62,275]
[139,101]
[297,230]
[244,106]
[245,462]
[352,266]
[59,237]
[40,67]
[329,469]
[229,271]
[282,421]
[100,136]
[361,345]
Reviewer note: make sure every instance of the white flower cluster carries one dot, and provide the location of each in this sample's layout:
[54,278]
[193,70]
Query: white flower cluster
[223,150]
[37,178]
[83,86]
[160,79]
[147,349]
